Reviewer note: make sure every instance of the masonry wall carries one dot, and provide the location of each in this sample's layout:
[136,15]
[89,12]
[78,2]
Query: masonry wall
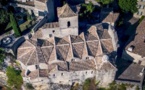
[64,77]
[105,76]
[69,26]
[141,9]
[51,31]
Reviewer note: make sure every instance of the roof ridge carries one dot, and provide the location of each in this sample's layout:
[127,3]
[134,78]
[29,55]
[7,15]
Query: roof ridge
[66,11]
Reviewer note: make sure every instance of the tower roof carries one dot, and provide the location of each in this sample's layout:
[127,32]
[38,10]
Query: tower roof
[66,11]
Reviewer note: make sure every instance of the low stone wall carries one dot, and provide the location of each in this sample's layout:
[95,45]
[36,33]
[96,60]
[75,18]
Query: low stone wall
[39,24]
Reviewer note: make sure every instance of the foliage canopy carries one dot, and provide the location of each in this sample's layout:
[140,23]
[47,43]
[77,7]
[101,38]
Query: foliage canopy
[4,16]
[14,78]
[105,1]
[15,25]
[128,5]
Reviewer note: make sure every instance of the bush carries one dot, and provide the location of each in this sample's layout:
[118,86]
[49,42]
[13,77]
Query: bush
[14,78]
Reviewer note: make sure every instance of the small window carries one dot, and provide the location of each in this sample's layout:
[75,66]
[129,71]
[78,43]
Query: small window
[53,31]
[68,24]
[87,58]
[86,72]
[61,74]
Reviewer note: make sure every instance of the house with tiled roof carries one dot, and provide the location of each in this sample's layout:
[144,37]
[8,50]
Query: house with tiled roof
[58,53]
[135,49]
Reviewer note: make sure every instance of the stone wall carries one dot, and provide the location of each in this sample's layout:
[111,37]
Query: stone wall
[69,26]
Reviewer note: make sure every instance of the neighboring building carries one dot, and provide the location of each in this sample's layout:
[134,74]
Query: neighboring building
[141,9]
[135,49]
[130,73]
[37,7]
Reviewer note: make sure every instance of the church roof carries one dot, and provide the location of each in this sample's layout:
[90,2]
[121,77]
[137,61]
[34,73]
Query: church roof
[66,11]
[67,53]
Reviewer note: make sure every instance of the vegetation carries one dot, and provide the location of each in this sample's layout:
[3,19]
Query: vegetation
[4,16]
[137,88]
[87,10]
[105,2]
[128,5]
[15,25]
[140,20]
[14,78]
[89,84]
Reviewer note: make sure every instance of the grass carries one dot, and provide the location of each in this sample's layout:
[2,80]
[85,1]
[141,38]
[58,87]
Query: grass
[25,25]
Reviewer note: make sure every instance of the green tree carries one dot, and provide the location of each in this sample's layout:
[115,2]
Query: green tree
[86,10]
[14,78]
[105,2]
[4,17]
[128,5]
[15,25]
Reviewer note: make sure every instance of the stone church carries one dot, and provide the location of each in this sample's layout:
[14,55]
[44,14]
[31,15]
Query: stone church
[58,53]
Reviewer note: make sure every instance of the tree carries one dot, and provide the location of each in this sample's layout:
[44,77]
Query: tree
[14,78]
[105,2]
[87,10]
[4,17]
[128,5]
[15,25]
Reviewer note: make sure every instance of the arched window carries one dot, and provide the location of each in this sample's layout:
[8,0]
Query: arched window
[68,24]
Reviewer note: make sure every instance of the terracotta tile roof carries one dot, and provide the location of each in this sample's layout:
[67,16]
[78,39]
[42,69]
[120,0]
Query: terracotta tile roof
[38,34]
[103,34]
[62,52]
[82,65]
[90,37]
[78,50]
[24,59]
[34,74]
[107,66]
[51,25]
[33,60]
[66,11]
[107,46]
[138,43]
[47,52]
[75,39]
[60,41]
[43,73]
[109,17]
[73,66]
[44,42]
[131,73]
[92,48]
